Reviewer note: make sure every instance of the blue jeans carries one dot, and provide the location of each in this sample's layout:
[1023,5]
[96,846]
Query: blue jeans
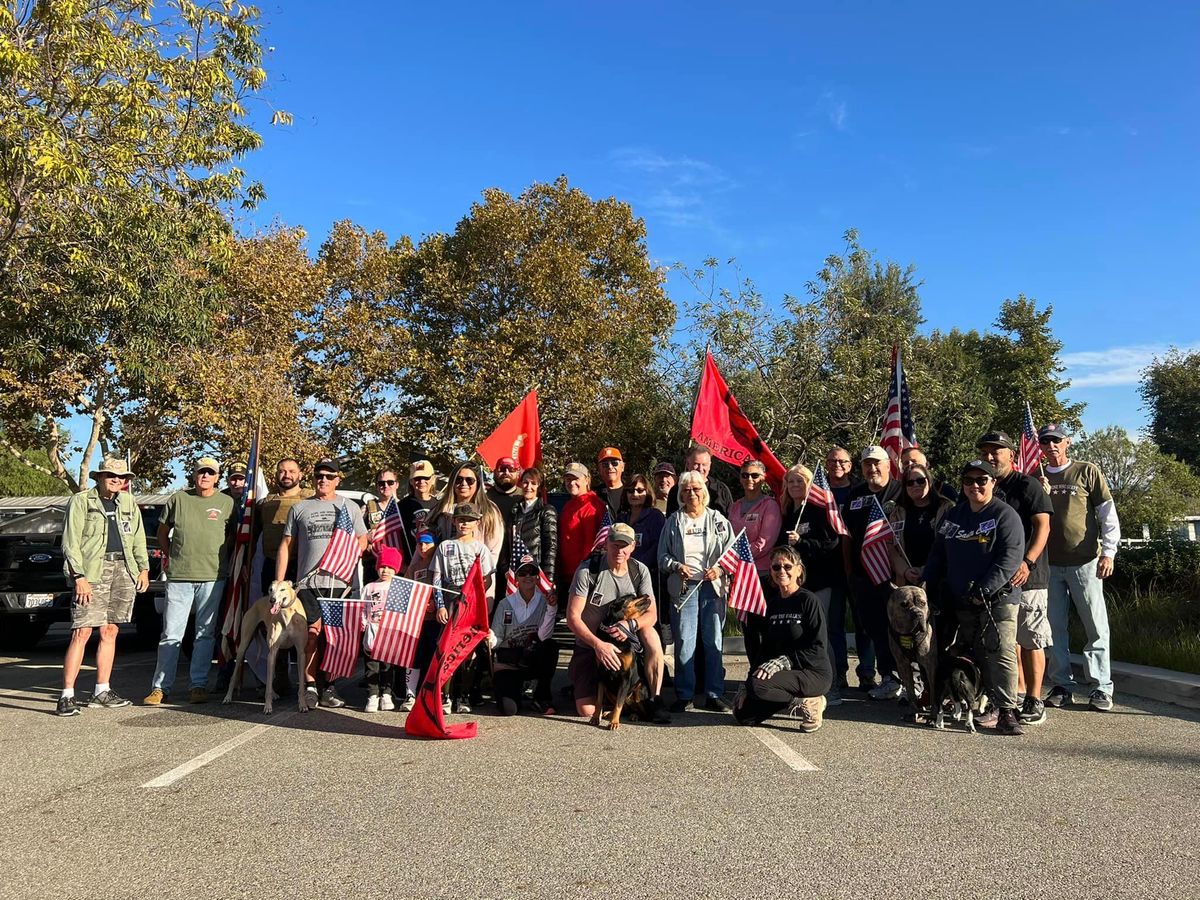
[704,612]
[182,597]
[1082,585]
[835,623]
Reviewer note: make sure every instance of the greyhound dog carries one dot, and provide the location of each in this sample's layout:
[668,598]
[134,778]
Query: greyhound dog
[912,639]
[283,616]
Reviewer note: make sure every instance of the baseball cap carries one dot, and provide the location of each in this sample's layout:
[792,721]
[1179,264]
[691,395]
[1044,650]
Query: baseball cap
[237,468]
[328,465]
[507,462]
[665,468]
[208,463]
[425,537]
[527,566]
[576,470]
[982,465]
[1057,431]
[466,511]
[388,556]
[609,453]
[622,534]
[874,452]
[422,468]
[995,439]
[111,465]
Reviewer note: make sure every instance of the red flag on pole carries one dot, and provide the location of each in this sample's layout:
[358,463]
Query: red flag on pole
[465,630]
[719,424]
[518,436]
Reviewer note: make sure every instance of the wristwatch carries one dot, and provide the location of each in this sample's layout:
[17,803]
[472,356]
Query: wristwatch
[1029,562]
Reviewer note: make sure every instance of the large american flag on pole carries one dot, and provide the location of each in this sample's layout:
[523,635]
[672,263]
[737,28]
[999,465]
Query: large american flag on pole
[745,591]
[400,625]
[605,527]
[340,558]
[899,432]
[821,494]
[237,597]
[875,554]
[1031,452]
[519,552]
[342,624]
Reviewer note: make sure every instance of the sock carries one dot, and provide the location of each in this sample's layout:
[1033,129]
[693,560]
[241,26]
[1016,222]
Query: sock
[100,688]
[68,692]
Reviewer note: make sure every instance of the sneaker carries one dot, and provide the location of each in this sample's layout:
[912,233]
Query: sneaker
[311,696]
[508,706]
[889,690]
[462,705]
[1059,697]
[67,707]
[989,719]
[372,704]
[1033,711]
[199,695]
[1009,723]
[386,703]
[834,698]
[680,705]
[716,704]
[658,714]
[867,684]
[110,699]
[447,708]
[1100,701]
[331,699]
[814,708]
[409,702]
[155,698]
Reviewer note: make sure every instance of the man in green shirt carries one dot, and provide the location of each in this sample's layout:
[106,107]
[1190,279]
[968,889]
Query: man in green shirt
[194,532]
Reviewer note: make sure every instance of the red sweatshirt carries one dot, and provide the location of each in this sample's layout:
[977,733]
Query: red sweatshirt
[578,524]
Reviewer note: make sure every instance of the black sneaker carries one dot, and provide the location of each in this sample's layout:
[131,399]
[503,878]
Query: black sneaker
[658,715]
[1009,723]
[1059,697]
[331,699]
[67,707]
[109,700]
[311,697]
[1100,701]
[680,706]
[716,704]
[1033,711]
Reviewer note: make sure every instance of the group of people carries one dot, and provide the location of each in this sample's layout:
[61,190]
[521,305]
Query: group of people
[1002,556]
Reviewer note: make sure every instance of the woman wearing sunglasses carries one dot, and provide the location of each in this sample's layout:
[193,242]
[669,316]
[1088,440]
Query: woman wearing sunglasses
[373,511]
[795,673]
[758,514]
[640,512]
[466,486]
[915,520]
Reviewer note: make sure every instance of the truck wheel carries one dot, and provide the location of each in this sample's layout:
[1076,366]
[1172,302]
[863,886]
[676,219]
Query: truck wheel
[22,634]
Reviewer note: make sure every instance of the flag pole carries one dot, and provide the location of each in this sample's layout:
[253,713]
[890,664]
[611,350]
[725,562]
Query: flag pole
[1041,466]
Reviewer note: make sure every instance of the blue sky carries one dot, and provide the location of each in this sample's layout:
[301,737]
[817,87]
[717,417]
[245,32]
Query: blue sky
[1049,149]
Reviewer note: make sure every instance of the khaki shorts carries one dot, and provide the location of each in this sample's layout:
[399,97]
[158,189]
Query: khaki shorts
[112,598]
[584,672]
[1033,625]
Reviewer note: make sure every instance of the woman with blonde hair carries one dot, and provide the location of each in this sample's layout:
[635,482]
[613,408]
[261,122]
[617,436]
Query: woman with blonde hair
[465,485]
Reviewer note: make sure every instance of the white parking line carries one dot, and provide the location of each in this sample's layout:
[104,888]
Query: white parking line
[179,772]
[793,759]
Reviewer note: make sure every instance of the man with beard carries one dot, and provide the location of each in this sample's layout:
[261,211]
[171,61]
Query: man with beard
[611,464]
[505,492]
[272,516]
[720,498]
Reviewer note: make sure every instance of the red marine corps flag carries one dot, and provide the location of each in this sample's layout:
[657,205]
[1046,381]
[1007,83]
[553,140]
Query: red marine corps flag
[719,424]
[518,436]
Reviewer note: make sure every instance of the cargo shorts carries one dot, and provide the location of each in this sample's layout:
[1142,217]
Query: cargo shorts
[1033,622]
[112,598]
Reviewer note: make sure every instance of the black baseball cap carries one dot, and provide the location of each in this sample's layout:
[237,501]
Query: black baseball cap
[996,439]
[982,465]
[1052,431]
[328,465]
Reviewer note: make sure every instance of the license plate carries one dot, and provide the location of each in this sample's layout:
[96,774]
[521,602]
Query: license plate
[32,601]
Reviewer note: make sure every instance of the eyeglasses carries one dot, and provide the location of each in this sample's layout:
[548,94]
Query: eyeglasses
[844,463]
[691,491]
[751,476]
[978,481]
[326,476]
[463,479]
[782,567]
[919,482]
[1050,440]
[386,482]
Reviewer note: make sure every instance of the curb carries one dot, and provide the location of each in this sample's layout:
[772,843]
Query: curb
[1163,685]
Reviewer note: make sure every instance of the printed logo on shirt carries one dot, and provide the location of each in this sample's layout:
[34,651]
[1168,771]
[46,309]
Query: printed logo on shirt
[856,504]
[804,528]
[451,549]
[989,525]
[213,514]
[948,530]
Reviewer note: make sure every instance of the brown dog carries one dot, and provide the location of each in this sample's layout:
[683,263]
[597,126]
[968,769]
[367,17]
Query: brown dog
[280,611]
[625,684]
[910,634]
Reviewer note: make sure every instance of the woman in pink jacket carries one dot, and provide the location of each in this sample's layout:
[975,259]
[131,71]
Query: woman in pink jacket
[758,513]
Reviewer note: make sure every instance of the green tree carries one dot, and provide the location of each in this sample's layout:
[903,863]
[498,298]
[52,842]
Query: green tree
[28,475]
[1171,388]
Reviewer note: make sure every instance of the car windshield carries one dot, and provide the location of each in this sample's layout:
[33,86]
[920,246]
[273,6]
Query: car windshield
[41,521]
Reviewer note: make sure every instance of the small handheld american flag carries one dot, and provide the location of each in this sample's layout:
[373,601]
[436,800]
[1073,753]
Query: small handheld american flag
[745,592]
[820,494]
[875,556]
[342,624]
[400,626]
[519,552]
[389,530]
[341,555]
[1031,451]
[605,527]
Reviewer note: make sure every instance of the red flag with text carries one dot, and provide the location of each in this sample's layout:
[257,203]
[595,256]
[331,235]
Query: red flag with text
[466,628]
[719,424]
[518,436]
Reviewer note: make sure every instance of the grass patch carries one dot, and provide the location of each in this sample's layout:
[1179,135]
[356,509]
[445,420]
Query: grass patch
[1150,626]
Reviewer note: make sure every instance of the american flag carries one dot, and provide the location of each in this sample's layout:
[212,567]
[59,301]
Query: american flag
[898,431]
[1031,452]
[400,626]
[745,593]
[605,527]
[875,556]
[389,530]
[341,555]
[342,624]
[820,494]
[519,552]
[237,597]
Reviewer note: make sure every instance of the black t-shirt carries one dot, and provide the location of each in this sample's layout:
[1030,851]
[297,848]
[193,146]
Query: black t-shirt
[413,513]
[858,508]
[796,629]
[918,532]
[1028,498]
[114,535]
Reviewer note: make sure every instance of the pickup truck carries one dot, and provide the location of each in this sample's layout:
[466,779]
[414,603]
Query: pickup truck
[34,593]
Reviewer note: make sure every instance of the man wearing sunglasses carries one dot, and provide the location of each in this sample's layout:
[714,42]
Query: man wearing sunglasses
[105,559]
[611,465]
[195,532]
[1084,534]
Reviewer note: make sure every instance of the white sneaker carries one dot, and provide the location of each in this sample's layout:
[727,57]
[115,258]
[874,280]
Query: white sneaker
[372,704]
[889,690]
[409,702]
[386,703]
[446,706]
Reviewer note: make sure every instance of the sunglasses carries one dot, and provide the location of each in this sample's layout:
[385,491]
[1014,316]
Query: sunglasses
[415,478]
[782,567]
[326,476]
[463,479]
[635,490]
[611,462]
[978,481]
[387,482]
[1050,440]
[920,482]
[117,477]
[751,476]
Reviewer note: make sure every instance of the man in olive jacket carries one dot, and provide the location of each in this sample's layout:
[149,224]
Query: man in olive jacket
[104,549]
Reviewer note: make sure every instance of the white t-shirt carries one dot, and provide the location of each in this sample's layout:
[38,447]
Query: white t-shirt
[693,543]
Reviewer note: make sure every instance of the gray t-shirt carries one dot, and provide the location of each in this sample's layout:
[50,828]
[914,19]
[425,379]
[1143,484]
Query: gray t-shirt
[607,587]
[310,525]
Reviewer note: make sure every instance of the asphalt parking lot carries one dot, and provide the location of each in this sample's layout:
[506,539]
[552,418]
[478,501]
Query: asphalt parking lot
[339,801]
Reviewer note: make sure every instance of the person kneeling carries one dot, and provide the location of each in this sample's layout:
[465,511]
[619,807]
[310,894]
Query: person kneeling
[795,673]
[521,643]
